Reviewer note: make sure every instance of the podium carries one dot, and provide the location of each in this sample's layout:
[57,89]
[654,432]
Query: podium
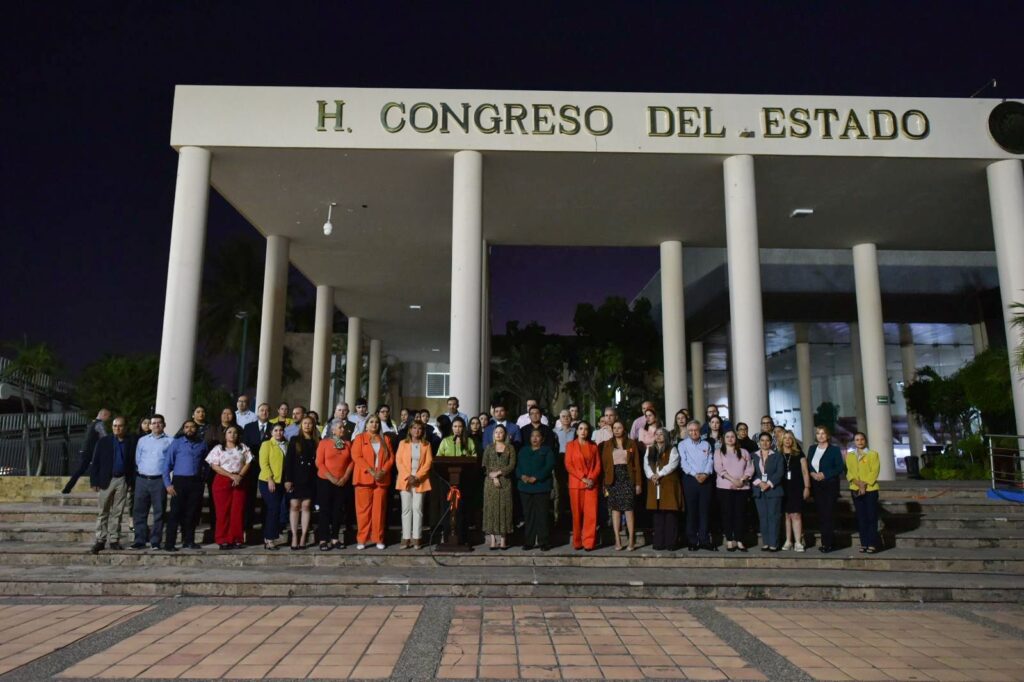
[458,472]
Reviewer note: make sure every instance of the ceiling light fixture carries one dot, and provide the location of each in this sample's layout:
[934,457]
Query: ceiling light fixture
[801,212]
[436,350]
[328,227]
[415,306]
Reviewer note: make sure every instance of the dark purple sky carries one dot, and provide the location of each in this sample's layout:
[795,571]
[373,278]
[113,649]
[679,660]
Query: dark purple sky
[88,175]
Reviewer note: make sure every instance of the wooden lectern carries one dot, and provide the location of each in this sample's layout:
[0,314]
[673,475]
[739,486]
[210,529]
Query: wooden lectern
[456,471]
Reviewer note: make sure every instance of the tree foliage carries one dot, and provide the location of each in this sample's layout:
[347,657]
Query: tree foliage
[932,399]
[617,348]
[532,366]
[126,385]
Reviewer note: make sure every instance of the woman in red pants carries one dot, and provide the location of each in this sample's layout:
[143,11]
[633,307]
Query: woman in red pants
[373,459]
[583,464]
[230,462]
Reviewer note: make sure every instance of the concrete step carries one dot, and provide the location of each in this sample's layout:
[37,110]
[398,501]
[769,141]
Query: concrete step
[994,561]
[514,582]
[984,538]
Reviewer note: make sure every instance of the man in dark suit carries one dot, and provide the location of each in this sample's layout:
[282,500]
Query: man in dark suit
[97,430]
[111,473]
[253,435]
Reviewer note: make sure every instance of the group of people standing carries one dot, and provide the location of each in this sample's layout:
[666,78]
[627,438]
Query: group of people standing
[525,473]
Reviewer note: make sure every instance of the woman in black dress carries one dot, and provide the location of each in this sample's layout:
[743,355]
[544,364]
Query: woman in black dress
[798,488]
[300,479]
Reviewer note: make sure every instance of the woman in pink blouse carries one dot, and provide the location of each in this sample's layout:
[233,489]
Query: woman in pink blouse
[230,462]
[733,469]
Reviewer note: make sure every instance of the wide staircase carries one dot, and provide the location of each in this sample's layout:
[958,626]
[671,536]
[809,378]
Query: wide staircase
[945,542]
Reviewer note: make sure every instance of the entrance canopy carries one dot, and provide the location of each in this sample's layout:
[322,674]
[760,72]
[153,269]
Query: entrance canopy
[588,169]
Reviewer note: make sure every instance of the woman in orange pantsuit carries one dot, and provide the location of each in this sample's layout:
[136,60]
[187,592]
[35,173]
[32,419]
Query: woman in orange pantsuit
[373,459]
[583,464]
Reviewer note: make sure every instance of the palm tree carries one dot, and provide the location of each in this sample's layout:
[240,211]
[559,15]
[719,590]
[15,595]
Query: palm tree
[31,364]
[1018,323]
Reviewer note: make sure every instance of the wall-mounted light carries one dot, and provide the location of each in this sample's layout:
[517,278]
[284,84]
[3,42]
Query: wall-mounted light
[415,306]
[801,212]
[328,227]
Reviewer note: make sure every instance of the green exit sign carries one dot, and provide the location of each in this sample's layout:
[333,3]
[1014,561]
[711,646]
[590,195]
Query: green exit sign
[882,399]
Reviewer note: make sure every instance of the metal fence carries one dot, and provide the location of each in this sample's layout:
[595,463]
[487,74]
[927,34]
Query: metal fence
[56,440]
[1005,454]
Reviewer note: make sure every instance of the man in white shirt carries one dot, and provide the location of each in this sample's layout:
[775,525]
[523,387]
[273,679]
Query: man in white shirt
[243,415]
[524,418]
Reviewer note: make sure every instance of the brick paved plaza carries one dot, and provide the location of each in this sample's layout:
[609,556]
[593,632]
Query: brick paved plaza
[446,638]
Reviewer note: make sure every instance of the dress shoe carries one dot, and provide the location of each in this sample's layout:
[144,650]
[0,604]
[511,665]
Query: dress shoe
[224,547]
[711,547]
[170,548]
[545,548]
[825,549]
[97,548]
[138,545]
[155,545]
[238,545]
[192,545]
[693,548]
[527,548]
[116,546]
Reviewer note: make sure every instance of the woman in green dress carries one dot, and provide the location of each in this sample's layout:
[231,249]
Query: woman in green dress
[499,464]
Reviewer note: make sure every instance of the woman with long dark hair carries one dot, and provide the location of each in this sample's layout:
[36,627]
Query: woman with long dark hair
[300,480]
[583,468]
[733,470]
[374,459]
[862,467]
[230,462]
[620,461]
[499,463]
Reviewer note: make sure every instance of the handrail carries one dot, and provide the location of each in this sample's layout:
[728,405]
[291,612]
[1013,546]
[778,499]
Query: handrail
[1005,463]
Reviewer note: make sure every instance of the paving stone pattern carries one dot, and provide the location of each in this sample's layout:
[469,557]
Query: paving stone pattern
[253,642]
[586,642]
[884,644]
[31,631]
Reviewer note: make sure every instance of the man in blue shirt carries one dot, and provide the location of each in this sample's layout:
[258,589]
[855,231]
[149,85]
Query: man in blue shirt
[514,436]
[150,456]
[184,464]
[698,464]
[110,471]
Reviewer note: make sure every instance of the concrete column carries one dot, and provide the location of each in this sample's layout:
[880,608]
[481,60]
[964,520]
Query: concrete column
[464,356]
[184,281]
[749,376]
[1006,197]
[908,356]
[673,328]
[275,291]
[373,389]
[857,370]
[697,371]
[872,349]
[323,331]
[485,332]
[353,361]
[803,374]
[979,335]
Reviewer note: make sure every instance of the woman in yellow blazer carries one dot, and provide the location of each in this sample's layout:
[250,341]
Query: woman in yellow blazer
[413,461]
[271,491]
[862,467]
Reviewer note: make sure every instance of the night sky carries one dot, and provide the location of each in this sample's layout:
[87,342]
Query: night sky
[88,174]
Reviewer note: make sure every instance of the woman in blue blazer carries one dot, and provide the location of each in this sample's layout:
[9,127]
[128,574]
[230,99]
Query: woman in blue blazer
[766,487]
[825,463]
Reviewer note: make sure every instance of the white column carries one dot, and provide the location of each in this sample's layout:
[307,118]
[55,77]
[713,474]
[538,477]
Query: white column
[908,357]
[323,331]
[353,361]
[464,355]
[485,332]
[697,371]
[857,371]
[979,336]
[184,280]
[749,376]
[1006,197]
[673,328]
[803,374]
[275,291]
[373,389]
[872,349]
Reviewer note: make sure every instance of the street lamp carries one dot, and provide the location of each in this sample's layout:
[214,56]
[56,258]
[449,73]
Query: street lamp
[242,315]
